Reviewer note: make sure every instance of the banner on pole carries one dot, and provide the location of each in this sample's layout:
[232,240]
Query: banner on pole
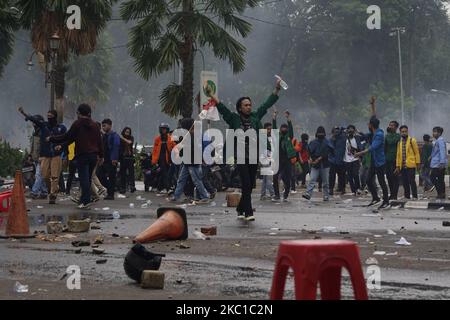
[208,79]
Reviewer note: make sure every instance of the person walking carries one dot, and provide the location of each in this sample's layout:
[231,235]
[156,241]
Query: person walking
[88,149]
[425,160]
[319,150]
[391,142]
[439,162]
[108,170]
[161,157]
[126,161]
[408,159]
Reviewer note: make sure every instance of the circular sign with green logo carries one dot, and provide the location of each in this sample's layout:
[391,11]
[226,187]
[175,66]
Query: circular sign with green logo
[211,85]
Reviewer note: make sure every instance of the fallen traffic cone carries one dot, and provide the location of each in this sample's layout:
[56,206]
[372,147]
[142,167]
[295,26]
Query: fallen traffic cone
[17,225]
[171,225]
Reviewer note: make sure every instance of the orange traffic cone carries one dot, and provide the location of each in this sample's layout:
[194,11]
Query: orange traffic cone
[171,225]
[17,225]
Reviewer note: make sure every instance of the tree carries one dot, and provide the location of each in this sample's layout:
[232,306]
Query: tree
[8,24]
[89,77]
[45,18]
[168,32]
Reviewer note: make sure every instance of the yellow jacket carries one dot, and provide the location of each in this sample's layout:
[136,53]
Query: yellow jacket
[71,154]
[412,153]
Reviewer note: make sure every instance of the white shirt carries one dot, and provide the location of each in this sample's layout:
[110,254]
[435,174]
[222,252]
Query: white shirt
[348,156]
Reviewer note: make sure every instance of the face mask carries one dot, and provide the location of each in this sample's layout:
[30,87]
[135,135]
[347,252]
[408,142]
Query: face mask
[52,121]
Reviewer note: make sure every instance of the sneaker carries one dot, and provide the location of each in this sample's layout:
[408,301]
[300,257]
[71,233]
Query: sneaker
[84,206]
[384,205]
[101,192]
[203,201]
[285,200]
[358,192]
[293,191]
[432,189]
[326,199]
[52,200]
[275,199]
[212,195]
[240,216]
[374,202]
[133,190]
[172,199]
[306,196]
[75,200]
[95,199]
[250,218]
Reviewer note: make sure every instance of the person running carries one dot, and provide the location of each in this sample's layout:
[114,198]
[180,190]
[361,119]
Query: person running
[161,156]
[190,169]
[88,149]
[108,170]
[439,162]
[319,150]
[50,153]
[247,119]
[287,155]
[378,159]
[126,159]
[391,142]
[425,159]
[408,159]
[351,163]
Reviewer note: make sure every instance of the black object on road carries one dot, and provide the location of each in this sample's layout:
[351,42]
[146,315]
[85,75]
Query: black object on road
[139,259]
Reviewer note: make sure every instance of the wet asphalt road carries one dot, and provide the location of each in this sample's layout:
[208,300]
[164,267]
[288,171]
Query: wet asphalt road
[238,262]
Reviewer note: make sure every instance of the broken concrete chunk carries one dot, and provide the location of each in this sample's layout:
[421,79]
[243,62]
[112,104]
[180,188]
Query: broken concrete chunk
[78,226]
[152,279]
[81,243]
[209,231]
[98,251]
[54,227]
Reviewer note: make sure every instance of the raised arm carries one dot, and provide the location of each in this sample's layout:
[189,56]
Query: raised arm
[373,107]
[289,122]
[274,119]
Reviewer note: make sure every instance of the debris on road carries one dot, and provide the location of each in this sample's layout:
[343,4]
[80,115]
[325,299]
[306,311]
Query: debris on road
[81,243]
[403,242]
[392,253]
[98,251]
[121,196]
[183,246]
[329,229]
[106,209]
[391,232]
[446,223]
[95,227]
[209,231]
[98,240]
[101,261]
[115,235]
[54,227]
[139,259]
[78,226]
[20,288]
[371,260]
[152,279]
[379,253]
[131,205]
[199,235]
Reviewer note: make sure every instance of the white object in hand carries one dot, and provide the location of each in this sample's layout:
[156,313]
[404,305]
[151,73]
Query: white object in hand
[283,84]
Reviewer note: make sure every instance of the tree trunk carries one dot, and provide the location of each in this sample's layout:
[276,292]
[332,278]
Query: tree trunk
[60,74]
[187,58]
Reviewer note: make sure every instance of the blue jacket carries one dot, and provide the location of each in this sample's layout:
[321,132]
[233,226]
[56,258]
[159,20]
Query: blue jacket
[376,148]
[439,154]
[113,146]
[47,148]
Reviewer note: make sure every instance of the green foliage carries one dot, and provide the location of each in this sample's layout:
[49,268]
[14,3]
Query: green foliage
[10,159]
[89,77]
[8,24]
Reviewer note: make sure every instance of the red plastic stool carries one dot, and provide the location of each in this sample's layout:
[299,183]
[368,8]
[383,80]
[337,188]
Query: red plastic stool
[5,201]
[318,261]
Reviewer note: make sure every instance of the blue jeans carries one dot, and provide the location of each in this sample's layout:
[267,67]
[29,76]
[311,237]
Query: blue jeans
[425,175]
[324,175]
[195,171]
[267,185]
[86,164]
[39,186]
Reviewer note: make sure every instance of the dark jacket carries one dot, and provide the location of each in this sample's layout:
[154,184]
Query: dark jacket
[111,145]
[285,142]
[390,146]
[47,149]
[339,143]
[86,135]
[321,148]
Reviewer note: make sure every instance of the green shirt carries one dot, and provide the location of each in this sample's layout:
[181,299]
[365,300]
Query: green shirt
[425,155]
[390,146]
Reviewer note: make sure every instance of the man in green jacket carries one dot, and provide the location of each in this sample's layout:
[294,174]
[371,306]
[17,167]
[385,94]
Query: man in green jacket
[286,153]
[245,118]
[390,145]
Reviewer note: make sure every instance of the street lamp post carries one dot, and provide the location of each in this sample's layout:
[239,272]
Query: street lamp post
[397,31]
[54,47]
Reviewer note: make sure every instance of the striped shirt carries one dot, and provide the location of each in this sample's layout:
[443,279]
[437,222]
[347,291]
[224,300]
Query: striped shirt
[404,151]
